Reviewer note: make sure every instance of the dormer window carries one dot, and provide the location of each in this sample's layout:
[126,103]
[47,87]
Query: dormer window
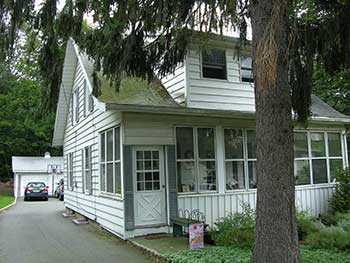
[247,69]
[214,64]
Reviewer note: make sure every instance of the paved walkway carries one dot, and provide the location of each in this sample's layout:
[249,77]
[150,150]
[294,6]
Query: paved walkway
[36,232]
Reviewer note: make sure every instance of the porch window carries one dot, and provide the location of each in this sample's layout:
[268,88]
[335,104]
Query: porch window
[214,64]
[110,161]
[318,155]
[335,154]
[196,161]
[251,153]
[234,159]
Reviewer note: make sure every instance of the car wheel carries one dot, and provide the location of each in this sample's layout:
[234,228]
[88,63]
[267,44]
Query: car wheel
[46,199]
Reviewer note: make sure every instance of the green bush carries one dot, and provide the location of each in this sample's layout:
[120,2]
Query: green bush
[332,237]
[340,201]
[343,220]
[306,224]
[328,219]
[237,229]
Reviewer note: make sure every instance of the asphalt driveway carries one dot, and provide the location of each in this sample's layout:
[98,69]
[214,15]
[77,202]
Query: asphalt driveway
[37,232]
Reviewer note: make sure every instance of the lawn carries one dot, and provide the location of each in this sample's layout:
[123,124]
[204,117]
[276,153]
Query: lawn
[218,254]
[6,199]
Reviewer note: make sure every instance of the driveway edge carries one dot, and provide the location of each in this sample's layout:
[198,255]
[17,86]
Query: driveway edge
[8,206]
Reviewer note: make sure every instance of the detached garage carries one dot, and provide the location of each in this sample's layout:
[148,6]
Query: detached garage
[48,170]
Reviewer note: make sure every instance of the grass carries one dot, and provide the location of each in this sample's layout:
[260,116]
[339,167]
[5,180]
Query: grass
[6,199]
[240,255]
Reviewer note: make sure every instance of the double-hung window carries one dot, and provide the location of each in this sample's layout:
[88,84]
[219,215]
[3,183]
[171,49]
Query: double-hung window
[75,107]
[70,171]
[196,160]
[214,64]
[246,69]
[87,169]
[110,161]
[88,100]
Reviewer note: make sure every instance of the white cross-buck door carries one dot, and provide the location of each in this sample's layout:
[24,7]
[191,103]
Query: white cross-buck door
[149,185]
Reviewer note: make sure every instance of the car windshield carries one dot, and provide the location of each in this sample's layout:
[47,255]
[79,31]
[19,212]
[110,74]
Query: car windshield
[36,185]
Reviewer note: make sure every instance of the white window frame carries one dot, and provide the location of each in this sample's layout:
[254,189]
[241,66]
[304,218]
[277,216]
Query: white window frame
[88,99]
[196,159]
[113,161]
[87,169]
[75,106]
[70,171]
[244,159]
[310,158]
[201,65]
[240,69]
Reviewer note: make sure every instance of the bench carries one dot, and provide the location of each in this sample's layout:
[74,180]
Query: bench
[185,219]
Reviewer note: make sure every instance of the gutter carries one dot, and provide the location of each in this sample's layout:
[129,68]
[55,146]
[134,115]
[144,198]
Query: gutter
[179,111]
[169,110]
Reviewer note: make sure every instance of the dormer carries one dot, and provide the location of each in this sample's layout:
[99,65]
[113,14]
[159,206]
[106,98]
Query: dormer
[218,76]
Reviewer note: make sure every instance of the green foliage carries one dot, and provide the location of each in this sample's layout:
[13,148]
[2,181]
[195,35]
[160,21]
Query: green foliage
[343,221]
[340,200]
[333,88]
[236,229]
[332,237]
[306,224]
[328,219]
[22,129]
[240,255]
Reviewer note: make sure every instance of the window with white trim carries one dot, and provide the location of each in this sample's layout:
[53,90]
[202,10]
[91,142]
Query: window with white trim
[247,69]
[196,160]
[240,159]
[318,156]
[75,106]
[87,168]
[214,64]
[110,161]
[234,159]
[88,100]
[70,171]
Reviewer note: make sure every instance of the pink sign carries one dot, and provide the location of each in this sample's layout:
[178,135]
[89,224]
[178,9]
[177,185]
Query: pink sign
[196,236]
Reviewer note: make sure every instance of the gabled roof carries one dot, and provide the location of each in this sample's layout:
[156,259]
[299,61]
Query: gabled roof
[34,164]
[137,95]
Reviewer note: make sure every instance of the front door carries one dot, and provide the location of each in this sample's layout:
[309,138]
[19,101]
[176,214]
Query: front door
[149,185]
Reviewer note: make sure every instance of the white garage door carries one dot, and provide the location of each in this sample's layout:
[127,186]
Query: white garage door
[25,179]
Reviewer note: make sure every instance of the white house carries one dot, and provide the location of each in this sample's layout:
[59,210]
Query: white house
[48,170]
[133,158]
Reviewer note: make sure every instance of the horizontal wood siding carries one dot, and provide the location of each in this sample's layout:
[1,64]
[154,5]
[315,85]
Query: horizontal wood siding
[230,94]
[107,211]
[151,129]
[216,206]
[175,84]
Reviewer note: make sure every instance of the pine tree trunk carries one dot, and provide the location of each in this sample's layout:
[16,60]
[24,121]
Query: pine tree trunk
[276,230]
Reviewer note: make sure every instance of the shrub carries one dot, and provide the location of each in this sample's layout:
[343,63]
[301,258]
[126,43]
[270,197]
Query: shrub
[328,219]
[306,224]
[340,201]
[237,229]
[329,238]
[343,220]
